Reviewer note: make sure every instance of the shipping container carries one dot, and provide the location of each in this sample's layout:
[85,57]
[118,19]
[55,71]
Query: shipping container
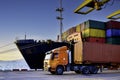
[96,53]
[75,36]
[113,40]
[78,28]
[95,24]
[93,39]
[93,33]
[82,26]
[64,35]
[72,30]
[113,33]
[78,53]
[68,32]
[89,50]
[113,25]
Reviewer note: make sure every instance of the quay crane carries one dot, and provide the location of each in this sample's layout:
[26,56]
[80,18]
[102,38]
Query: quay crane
[91,5]
[115,15]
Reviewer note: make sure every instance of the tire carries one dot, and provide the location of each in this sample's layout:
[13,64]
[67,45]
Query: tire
[59,70]
[85,70]
[94,70]
[78,72]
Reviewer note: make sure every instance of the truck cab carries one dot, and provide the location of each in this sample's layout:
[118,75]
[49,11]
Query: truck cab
[56,60]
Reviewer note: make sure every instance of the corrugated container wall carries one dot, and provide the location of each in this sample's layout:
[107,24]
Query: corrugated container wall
[78,28]
[78,53]
[82,26]
[94,24]
[64,36]
[72,30]
[96,29]
[113,33]
[93,33]
[98,40]
[101,53]
[113,25]
[113,40]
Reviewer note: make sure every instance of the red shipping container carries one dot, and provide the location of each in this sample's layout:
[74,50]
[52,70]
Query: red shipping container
[113,24]
[98,40]
[101,53]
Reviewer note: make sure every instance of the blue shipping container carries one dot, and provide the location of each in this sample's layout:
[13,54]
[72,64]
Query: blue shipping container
[113,33]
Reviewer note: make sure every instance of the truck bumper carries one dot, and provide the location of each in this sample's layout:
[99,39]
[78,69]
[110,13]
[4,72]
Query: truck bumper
[46,68]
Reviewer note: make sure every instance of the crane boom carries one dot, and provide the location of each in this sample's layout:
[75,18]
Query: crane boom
[91,4]
[114,15]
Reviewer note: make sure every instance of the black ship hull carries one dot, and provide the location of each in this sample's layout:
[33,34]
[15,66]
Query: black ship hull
[34,52]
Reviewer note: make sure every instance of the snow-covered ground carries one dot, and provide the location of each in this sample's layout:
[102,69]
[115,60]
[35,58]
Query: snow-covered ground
[15,64]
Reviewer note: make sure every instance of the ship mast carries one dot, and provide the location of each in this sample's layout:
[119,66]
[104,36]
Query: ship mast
[60,18]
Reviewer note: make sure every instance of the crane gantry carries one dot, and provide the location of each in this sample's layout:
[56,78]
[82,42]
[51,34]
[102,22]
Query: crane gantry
[115,15]
[91,5]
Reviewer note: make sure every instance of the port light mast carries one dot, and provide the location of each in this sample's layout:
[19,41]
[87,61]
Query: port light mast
[60,18]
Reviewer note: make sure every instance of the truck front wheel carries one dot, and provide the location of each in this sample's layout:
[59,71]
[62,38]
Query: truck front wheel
[59,70]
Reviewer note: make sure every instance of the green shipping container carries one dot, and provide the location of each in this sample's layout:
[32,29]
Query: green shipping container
[95,24]
[113,40]
[93,33]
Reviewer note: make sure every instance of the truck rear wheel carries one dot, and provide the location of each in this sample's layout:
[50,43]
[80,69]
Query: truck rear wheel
[85,70]
[59,70]
[94,70]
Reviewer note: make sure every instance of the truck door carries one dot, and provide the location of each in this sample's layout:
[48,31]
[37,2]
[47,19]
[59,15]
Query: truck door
[54,60]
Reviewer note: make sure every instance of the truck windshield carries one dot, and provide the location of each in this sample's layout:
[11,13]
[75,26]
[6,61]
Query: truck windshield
[48,56]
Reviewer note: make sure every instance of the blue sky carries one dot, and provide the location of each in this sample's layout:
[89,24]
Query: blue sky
[37,18]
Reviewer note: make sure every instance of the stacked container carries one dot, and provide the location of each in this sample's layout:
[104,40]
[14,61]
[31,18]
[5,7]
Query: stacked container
[94,31]
[68,32]
[113,32]
[72,30]
[64,36]
[80,27]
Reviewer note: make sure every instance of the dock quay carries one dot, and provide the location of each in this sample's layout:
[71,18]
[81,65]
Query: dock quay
[42,75]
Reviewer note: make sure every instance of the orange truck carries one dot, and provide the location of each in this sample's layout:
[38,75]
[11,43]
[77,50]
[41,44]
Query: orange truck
[82,57]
